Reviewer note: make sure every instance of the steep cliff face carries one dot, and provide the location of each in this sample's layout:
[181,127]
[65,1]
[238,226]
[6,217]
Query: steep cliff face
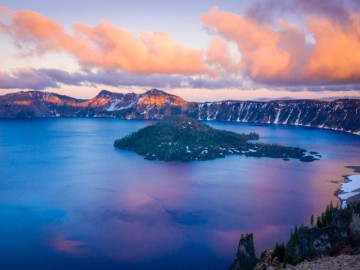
[342,114]
[337,231]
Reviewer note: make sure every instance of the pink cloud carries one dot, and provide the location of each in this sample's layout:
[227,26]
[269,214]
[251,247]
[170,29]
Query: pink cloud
[273,52]
[105,45]
[336,56]
[218,53]
[278,53]
[266,53]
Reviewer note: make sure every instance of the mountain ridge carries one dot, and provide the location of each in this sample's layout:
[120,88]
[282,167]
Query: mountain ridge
[341,114]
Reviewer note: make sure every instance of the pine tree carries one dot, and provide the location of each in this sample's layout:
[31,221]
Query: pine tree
[296,233]
[312,221]
[318,222]
[279,252]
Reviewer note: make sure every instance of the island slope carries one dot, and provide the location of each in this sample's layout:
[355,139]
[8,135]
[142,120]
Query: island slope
[183,138]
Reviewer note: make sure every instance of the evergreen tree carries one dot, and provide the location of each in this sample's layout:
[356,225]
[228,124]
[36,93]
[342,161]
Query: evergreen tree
[279,252]
[296,233]
[318,222]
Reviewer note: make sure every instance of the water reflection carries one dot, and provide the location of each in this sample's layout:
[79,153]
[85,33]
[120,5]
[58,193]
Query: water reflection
[68,199]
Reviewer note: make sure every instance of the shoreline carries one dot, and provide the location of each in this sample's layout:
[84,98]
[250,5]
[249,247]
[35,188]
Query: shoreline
[355,191]
[199,119]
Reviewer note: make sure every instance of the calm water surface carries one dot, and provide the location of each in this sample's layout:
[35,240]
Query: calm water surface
[70,200]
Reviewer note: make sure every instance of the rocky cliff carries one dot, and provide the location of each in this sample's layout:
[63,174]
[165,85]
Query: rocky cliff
[336,232]
[245,258]
[342,114]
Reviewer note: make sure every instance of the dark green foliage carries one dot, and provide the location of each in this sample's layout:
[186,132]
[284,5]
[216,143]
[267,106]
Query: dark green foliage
[294,236]
[182,138]
[328,236]
[296,233]
[318,222]
[312,221]
[278,151]
[279,252]
[185,139]
[326,218]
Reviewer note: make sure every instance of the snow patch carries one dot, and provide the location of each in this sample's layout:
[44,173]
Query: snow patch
[113,104]
[350,188]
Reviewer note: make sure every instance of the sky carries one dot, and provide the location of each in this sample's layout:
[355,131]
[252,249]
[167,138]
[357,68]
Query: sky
[199,50]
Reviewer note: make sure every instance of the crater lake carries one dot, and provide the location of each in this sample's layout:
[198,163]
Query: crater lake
[70,200]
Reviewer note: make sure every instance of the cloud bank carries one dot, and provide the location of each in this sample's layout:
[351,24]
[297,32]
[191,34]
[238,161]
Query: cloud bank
[297,45]
[40,79]
[279,54]
[104,45]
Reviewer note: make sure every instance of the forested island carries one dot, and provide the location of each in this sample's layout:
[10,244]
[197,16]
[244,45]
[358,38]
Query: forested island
[182,138]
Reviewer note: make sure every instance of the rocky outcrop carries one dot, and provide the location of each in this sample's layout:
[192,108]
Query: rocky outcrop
[336,232]
[267,261]
[341,262]
[316,242]
[341,114]
[245,258]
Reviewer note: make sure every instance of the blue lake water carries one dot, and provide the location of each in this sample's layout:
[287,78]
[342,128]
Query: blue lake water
[70,200]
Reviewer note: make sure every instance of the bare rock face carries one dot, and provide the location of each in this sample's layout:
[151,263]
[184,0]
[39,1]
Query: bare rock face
[336,233]
[342,262]
[268,261]
[245,257]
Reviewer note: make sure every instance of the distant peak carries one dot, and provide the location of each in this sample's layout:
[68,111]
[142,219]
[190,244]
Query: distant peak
[108,94]
[155,91]
[104,92]
[160,98]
